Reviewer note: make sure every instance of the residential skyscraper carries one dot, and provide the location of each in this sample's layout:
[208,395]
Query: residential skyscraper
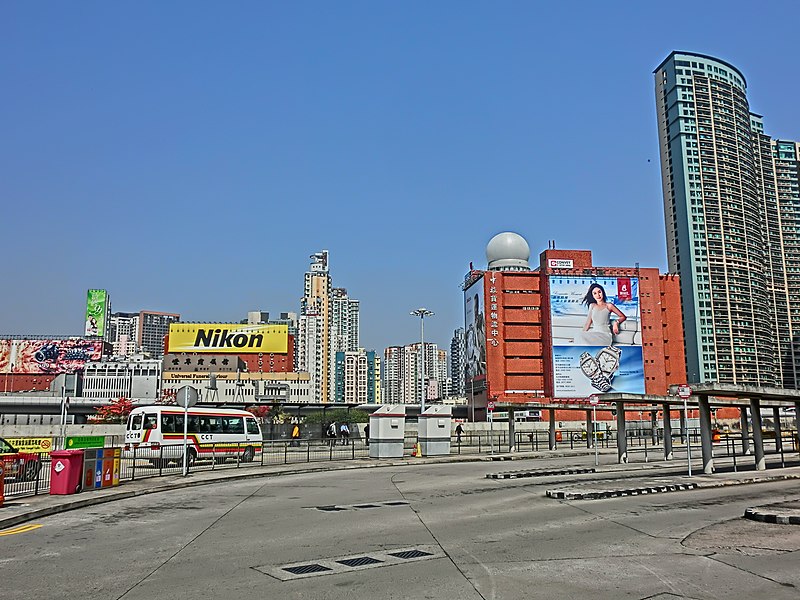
[344,322]
[401,374]
[357,377]
[458,363]
[732,214]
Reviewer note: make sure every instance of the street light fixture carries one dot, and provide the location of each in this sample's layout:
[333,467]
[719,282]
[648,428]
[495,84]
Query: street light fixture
[422,313]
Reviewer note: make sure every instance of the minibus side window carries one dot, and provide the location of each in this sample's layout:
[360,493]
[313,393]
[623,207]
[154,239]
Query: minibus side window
[252,426]
[137,422]
[168,424]
[151,421]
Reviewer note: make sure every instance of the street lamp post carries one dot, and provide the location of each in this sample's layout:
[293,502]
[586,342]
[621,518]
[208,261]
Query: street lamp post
[422,313]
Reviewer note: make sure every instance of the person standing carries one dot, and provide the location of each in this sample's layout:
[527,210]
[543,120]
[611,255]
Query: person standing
[459,431]
[295,435]
[332,434]
[344,431]
[366,434]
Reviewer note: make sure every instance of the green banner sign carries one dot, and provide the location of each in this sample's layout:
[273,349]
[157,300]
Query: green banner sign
[85,441]
[96,309]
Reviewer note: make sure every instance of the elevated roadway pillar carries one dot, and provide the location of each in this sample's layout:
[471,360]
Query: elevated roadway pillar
[622,437]
[667,433]
[758,438]
[706,434]
[745,426]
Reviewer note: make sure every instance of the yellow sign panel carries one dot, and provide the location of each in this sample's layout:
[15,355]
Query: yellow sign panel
[31,444]
[228,338]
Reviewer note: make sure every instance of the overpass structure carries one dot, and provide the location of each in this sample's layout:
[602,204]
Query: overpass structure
[705,397]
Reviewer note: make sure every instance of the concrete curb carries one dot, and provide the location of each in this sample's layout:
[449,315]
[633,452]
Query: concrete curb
[562,495]
[538,473]
[755,514]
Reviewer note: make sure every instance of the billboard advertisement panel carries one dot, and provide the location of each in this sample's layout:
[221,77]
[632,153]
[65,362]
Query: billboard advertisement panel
[597,340]
[229,338]
[475,329]
[48,356]
[96,311]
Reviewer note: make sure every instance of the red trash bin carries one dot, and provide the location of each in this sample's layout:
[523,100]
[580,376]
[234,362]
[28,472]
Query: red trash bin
[66,467]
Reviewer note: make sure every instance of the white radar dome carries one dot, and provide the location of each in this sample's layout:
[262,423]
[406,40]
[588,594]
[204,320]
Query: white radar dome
[508,251]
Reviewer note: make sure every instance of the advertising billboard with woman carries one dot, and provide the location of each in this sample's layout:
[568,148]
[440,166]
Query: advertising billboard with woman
[597,339]
[475,330]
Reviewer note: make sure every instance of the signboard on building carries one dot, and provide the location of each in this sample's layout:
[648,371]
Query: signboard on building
[96,312]
[202,363]
[228,338]
[475,329]
[597,339]
[48,355]
[560,263]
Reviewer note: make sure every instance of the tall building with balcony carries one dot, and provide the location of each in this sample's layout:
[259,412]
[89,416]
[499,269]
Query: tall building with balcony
[314,327]
[357,377]
[458,364]
[732,214]
[402,377]
[344,322]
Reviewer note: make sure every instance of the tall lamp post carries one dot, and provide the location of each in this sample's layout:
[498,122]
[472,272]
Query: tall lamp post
[422,313]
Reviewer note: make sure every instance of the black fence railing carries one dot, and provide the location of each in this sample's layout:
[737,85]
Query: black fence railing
[33,477]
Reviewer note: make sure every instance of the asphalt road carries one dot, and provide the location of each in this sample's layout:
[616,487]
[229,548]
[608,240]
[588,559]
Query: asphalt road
[428,531]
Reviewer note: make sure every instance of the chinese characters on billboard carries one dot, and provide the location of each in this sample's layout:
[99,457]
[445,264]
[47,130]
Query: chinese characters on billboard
[597,340]
[96,310]
[475,330]
[48,356]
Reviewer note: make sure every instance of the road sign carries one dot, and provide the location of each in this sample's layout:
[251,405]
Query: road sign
[594,400]
[684,391]
[186,396]
[490,406]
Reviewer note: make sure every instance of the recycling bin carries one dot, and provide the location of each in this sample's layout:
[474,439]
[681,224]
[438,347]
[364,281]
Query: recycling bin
[65,471]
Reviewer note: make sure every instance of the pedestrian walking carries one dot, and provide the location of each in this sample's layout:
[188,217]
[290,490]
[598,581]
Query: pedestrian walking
[295,435]
[459,431]
[366,434]
[344,432]
[332,434]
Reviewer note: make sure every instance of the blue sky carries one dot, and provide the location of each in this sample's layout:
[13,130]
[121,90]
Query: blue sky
[190,156]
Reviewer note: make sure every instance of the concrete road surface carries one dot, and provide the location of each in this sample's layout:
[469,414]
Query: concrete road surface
[429,531]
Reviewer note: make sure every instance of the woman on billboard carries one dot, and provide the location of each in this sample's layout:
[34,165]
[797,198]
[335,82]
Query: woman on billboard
[599,328]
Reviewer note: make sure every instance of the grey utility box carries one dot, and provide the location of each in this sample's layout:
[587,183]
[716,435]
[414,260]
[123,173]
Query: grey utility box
[387,427]
[434,430]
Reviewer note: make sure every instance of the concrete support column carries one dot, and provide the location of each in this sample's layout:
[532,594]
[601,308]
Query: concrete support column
[552,432]
[745,425]
[705,434]
[758,439]
[776,417]
[797,422]
[511,431]
[622,438]
[589,425]
[667,433]
[654,427]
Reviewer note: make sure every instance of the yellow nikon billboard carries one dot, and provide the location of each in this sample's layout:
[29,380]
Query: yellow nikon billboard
[228,337]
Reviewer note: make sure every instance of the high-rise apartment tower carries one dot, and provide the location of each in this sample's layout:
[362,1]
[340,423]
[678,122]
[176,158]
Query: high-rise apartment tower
[732,214]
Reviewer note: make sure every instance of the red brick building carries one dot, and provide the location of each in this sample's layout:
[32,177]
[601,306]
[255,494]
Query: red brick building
[526,329]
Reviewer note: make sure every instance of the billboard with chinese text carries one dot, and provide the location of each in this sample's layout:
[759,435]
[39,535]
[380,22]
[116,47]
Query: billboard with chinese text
[597,340]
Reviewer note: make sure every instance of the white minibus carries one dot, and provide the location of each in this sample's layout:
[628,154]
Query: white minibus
[155,433]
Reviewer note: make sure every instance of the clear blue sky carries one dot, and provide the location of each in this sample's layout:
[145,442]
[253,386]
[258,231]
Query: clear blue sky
[190,156]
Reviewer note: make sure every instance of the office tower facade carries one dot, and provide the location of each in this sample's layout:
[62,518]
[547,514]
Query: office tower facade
[731,208]
[458,364]
[153,327]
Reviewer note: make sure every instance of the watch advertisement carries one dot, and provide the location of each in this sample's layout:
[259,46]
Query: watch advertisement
[597,339]
[475,330]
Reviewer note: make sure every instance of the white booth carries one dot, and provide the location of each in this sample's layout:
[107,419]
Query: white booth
[434,430]
[387,427]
